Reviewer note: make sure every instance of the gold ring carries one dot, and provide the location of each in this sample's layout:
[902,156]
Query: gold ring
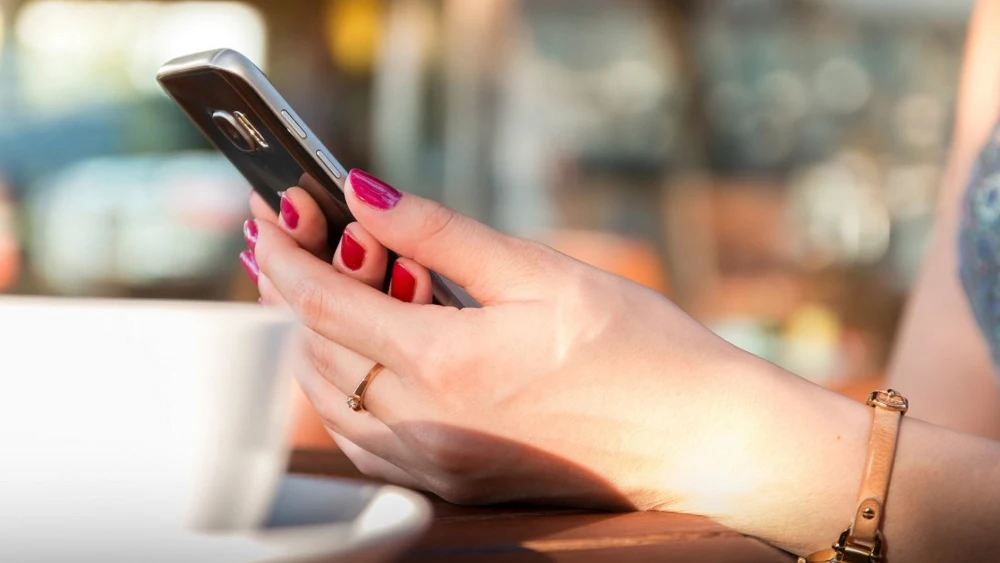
[357,400]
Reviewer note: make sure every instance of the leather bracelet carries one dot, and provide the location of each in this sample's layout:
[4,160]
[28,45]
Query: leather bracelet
[862,541]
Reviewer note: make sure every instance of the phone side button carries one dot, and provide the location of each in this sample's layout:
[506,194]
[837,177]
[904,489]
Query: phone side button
[333,168]
[292,124]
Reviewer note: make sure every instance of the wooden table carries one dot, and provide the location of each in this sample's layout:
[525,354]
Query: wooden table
[525,534]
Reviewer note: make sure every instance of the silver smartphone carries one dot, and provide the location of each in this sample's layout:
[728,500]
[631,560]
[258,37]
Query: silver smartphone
[234,104]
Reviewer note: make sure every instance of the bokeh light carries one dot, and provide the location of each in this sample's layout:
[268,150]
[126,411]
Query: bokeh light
[88,52]
[353,33]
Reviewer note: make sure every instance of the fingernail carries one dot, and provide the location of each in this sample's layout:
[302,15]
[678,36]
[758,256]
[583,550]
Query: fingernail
[260,301]
[403,285]
[250,234]
[373,191]
[288,213]
[351,252]
[250,265]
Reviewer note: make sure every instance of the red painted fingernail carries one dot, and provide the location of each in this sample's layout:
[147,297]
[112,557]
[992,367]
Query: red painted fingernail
[250,234]
[373,191]
[250,265]
[403,285]
[288,213]
[351,252]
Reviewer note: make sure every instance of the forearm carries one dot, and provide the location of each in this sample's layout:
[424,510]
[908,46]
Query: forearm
[944,498]
[948,373]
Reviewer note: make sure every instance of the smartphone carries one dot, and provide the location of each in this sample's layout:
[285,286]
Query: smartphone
[234,104]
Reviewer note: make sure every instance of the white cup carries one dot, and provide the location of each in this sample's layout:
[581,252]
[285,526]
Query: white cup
[124,424]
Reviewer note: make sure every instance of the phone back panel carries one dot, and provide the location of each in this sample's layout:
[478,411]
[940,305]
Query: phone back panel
[224,80]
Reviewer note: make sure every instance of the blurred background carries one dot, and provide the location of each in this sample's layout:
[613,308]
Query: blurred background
[770,165]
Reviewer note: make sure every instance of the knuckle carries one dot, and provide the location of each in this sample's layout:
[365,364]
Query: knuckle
[310,301]
[323,361]
[366,464]
[262,254]
[268,293]
[422,350]
[451,463]
[458,492]
[445,452]
[438,222]
[381,336]
[538,258]
[432,357]
[328,418]
[446,377]
[534,261]
[439,364]
[439,219]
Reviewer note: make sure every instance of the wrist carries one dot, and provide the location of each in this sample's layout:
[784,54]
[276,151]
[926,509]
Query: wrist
[786,445]
[790,461]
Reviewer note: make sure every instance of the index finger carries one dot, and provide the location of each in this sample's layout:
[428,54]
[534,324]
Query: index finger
[338,307]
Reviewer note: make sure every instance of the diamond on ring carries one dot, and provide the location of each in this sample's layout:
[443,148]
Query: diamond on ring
[354,402]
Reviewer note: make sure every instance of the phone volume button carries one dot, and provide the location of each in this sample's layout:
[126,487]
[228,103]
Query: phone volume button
[328,163]
[292,124]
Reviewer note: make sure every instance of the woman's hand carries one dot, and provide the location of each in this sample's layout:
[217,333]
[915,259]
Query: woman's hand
[568,385]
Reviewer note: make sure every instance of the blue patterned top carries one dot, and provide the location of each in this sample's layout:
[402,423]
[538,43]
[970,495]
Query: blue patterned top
[979,243]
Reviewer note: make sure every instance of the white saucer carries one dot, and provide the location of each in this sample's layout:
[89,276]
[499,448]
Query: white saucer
[312,519]
[343,520]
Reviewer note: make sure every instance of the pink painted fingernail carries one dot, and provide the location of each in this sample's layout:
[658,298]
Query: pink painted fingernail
[250,234]
[288,213]
[351,252]
[250,265]
[404,285]
[374,192]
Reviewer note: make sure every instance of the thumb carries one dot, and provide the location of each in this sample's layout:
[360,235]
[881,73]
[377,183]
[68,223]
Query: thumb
[474,256]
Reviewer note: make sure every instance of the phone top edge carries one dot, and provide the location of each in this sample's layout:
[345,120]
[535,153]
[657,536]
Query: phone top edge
[188,63]
[238,66]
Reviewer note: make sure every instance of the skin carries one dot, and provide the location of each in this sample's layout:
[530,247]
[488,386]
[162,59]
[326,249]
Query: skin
[947,374]
[575,386]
